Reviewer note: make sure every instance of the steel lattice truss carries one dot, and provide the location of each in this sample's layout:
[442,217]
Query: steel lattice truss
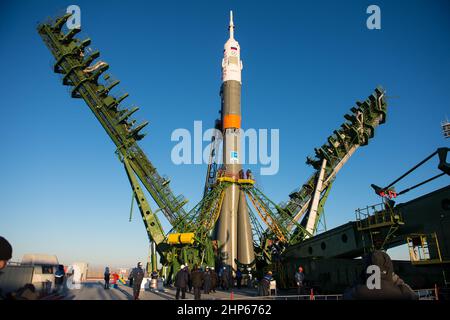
[288,223]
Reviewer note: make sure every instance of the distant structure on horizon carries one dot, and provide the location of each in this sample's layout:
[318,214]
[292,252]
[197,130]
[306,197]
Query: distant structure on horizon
[446,128]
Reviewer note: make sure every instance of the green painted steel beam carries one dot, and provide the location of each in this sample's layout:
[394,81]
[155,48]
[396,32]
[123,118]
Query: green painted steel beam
[72,57]
[357,131]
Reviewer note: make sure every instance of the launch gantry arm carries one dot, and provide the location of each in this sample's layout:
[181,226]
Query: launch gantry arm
[73,60]
[308,201]
[151,222]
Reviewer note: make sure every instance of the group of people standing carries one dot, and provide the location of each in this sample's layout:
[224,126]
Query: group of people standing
[135,279]
[207,280]
[392,286]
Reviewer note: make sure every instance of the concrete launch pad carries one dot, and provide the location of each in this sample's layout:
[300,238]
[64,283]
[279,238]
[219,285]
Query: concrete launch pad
[93,290]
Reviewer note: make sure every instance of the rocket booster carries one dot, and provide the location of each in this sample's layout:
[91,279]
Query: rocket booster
[233,228]
[231,102]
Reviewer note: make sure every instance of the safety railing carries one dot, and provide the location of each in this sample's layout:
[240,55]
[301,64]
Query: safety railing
[295,297]
[377,216]
[426,294]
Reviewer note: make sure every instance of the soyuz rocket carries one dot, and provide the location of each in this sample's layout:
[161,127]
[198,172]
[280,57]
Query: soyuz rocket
[233,229]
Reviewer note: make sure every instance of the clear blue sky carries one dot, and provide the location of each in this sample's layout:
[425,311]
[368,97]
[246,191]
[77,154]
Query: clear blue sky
[64,192]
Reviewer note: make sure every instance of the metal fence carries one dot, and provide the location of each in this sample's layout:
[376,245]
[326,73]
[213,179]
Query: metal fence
[294,297]
[424,294]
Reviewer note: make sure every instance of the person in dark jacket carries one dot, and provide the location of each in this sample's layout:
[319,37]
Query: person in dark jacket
[5,252]
[137,274]
[207,280]
[265,283]
[59,279]
[391,286]
[181,282]
[220,276]
[197,282]
[225,278]
[238,278]
[130,281]
[189,283]
[299,280]
[5,256]
[106,276]
[214,279]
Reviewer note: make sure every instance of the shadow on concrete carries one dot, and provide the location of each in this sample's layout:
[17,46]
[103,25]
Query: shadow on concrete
[124,292]
[163,295]
[89,291]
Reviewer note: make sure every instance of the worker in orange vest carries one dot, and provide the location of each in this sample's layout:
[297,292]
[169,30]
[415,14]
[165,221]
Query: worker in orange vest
[115,279]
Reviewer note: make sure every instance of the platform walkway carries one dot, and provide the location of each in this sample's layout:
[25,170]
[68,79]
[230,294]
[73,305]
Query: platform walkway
[93,290]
